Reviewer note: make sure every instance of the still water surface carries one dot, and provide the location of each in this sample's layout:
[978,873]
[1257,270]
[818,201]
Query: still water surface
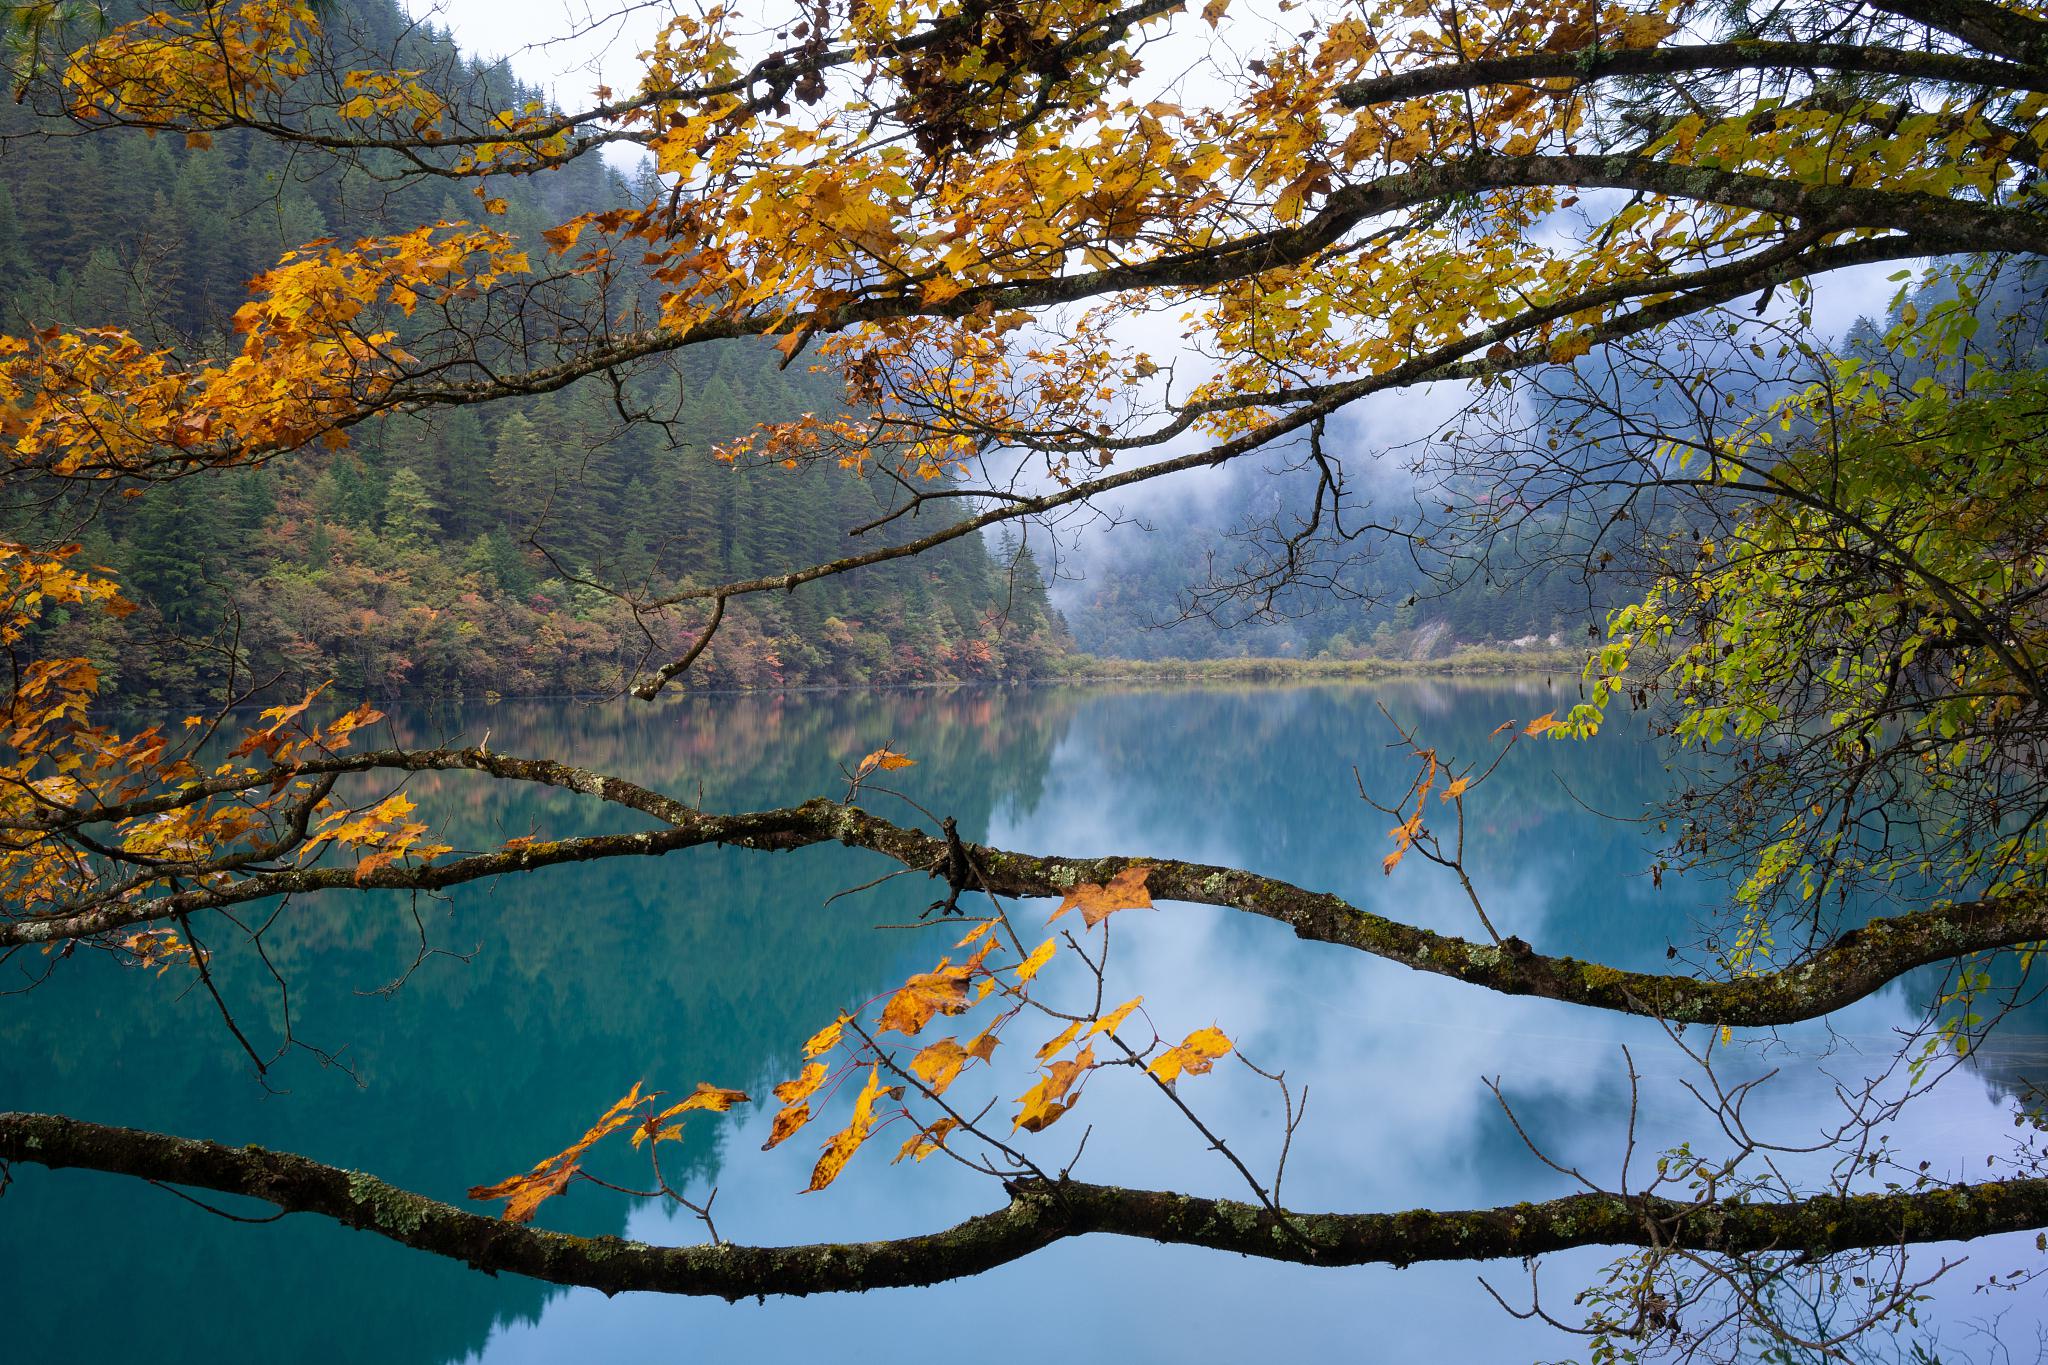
[714,965]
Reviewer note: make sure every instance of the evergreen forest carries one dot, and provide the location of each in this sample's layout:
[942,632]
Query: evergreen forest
[482,552]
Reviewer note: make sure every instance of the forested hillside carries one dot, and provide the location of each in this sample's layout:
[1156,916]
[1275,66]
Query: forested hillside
[472,553]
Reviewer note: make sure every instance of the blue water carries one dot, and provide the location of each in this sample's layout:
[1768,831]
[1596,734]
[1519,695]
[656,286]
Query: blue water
[546,997]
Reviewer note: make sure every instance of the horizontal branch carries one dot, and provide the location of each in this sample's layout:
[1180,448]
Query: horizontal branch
[1846,970]
[1595,62]
[1926,224]
[1039,1213]
[1992,27]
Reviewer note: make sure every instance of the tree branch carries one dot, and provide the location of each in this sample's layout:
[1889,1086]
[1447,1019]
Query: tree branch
[1848,969]
[1595,62]
[1039,1213]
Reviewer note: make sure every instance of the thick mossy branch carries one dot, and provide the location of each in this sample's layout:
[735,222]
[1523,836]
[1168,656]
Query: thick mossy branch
[1038,1214]
[1592,63]
[1850,968]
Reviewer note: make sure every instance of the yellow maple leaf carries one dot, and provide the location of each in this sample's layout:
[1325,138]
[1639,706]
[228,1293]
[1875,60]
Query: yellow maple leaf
[841,1146]
[789,1092]
[1044,1102]
[826,1038]
[787,1121]
[938,1064]
[1195,1054]
[1033,964]
[925,1141]
[1059,1040]
[1112,1021]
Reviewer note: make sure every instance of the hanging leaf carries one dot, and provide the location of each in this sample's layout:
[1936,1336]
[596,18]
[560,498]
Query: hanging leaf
[527,1192]
[1032,965]
[940,991]
[1195,1055]
[925,1141]
[1112,1021]
[787,1121]
[1045,1102]
[806,1084]
[882,760]
[826,1038]
[939,1063]
[841,1146]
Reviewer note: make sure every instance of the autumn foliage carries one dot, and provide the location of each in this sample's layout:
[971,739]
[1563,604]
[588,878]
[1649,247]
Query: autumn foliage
[996,982]
[969,214]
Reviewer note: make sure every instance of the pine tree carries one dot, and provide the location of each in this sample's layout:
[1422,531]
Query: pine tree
[519,475]
[172,552]
[409,511]
[14,260]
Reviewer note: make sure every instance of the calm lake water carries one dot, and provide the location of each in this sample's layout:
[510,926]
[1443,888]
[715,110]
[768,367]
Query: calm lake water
[715,965]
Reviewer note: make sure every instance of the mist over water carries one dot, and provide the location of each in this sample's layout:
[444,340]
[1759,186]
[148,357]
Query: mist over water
[715,965]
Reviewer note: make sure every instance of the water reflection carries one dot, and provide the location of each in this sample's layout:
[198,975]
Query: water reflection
[714,965]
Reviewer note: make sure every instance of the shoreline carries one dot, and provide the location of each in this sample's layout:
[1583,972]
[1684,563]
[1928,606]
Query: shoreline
[1088,670]
[1477,661]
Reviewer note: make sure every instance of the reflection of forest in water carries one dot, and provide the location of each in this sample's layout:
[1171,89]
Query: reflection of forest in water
[708,965]
[712,965]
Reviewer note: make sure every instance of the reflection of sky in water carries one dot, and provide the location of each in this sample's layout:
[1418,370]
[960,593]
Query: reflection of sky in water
[1399,1117]
[676,970]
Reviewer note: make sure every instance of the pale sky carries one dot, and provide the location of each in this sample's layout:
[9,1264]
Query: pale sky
[525,32]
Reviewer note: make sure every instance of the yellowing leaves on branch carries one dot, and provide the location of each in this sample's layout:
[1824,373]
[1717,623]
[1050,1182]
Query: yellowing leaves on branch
[319,350]
[906,186]
[524,1194]
[1192,1056]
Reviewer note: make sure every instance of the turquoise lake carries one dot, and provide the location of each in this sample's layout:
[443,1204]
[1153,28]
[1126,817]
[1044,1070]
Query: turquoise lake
[551,994]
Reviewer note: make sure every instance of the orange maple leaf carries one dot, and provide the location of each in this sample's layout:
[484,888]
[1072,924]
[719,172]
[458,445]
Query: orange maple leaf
[548,1178]
[1125,891]
[1045,1102]
[941,991]
[716,1099]
[883,759]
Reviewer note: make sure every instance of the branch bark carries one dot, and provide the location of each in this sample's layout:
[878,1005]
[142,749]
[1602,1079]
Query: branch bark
[1848,969]
[1039,1213]
[1594,62]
